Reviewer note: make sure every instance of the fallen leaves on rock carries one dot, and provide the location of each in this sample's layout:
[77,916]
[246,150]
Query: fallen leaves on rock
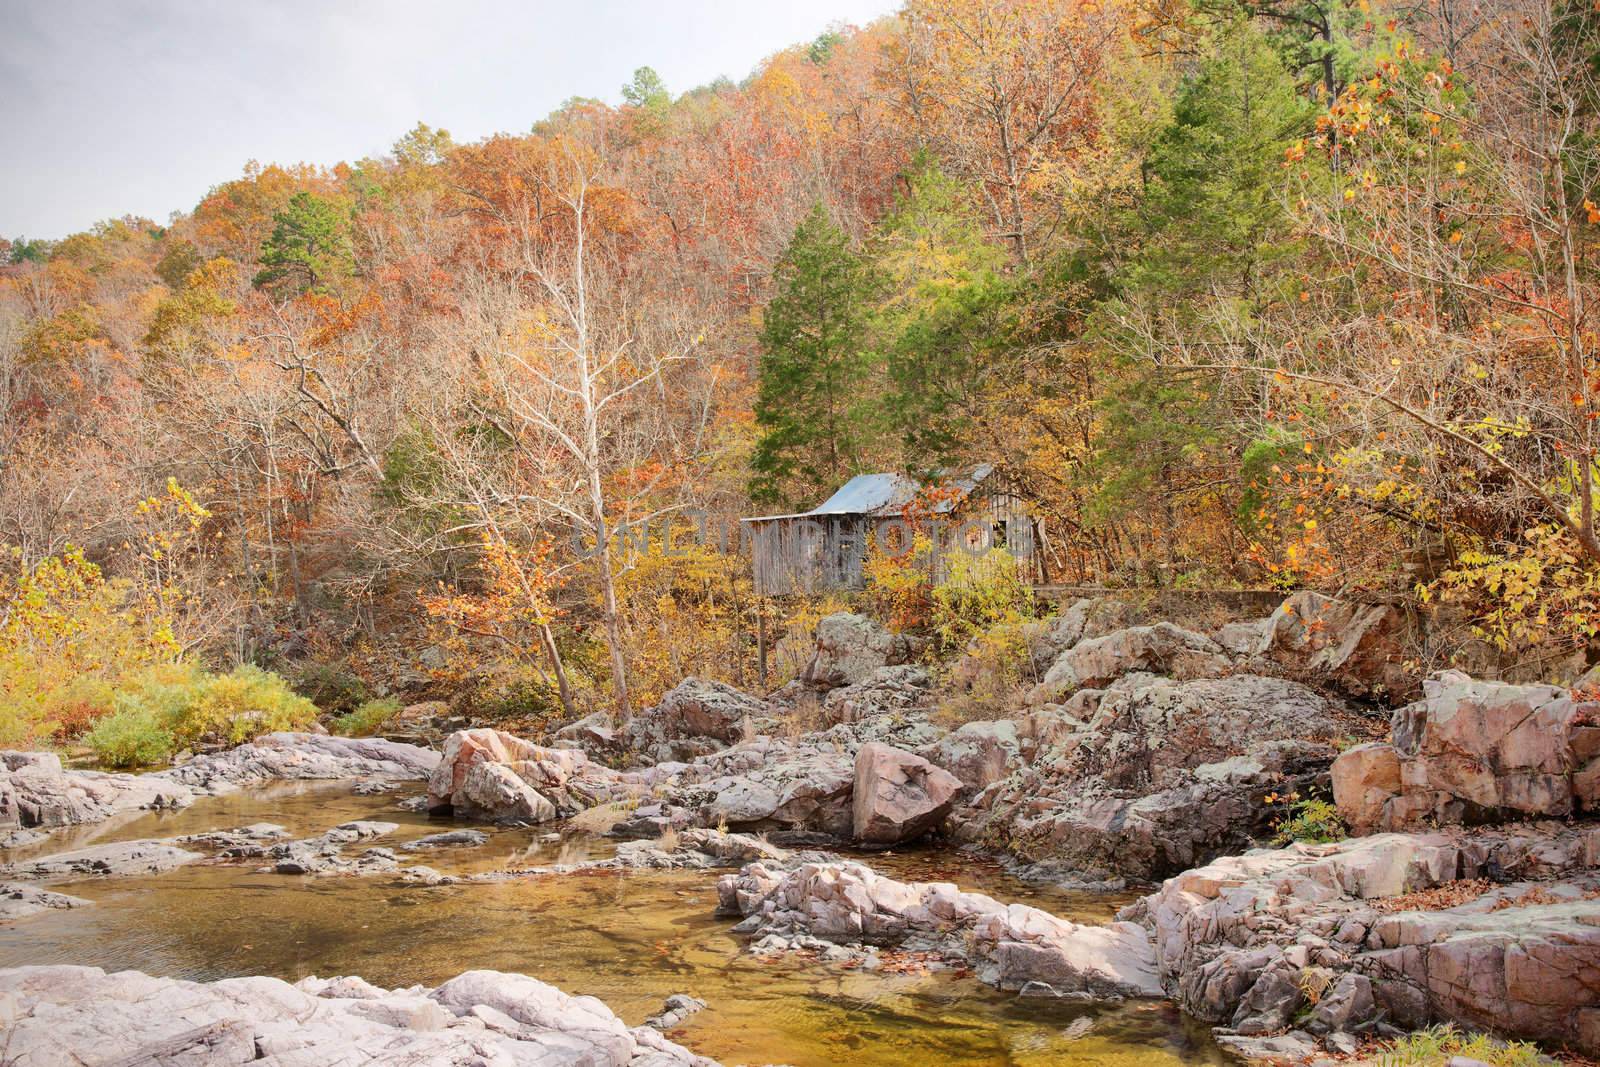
[1440,897]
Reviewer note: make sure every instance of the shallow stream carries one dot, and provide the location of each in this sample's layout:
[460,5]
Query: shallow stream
[628,938]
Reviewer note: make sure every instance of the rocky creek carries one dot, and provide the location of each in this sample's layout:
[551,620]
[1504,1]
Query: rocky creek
[629,938]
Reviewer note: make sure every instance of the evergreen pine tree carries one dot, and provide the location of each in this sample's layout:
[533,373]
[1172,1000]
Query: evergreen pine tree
[815,405]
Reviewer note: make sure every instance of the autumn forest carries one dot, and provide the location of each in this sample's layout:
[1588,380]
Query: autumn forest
[1272,294]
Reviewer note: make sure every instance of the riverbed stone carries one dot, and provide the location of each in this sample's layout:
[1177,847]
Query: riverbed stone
[18,901]
[497,777]
[37,792]
[301,757]
[115,859]
[1522,959]
[1009,945]
[83,1015]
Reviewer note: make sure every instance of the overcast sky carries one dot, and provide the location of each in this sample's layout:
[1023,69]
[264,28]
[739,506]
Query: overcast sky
[140,106]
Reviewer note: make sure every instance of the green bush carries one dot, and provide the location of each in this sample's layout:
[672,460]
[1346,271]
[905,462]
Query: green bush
[1311,820]
[165,708]
[366,719]
[244,703]
[978,594]
[133,735]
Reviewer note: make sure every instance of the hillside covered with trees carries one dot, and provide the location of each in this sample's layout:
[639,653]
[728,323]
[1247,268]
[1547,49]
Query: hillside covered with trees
[1275,293]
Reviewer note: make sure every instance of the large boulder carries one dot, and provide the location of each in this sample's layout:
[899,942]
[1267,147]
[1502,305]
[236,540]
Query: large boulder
[36,791]
[1358,649]
[1160,649]
[699,707]
[898,796]
[850,648]
[497,777]
[83,1015]
[1012,946]
[1474,752]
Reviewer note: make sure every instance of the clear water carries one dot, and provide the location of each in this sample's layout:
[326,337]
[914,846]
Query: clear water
[630,939]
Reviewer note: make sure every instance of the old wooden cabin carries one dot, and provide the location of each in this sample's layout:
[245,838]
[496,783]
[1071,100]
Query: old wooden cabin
[825,548]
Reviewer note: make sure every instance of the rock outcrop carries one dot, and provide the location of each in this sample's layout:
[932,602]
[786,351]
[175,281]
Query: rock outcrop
[1243,939]
[1359,649]
[496,777]
[886,691]
[1162,649]
[850,648]
[36,791]
[295,756]
[1012,946]
[83,1015]
[1156,776]
[897,796]
[696,707]
[792,785]
[1475,752]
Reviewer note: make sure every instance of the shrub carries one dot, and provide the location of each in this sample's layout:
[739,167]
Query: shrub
[1311,820]
[898,588]
[1437,1045]
[993,672]
[164,708]
[365,720]
[67,636]
[133,735]
[244,703]
[978,594]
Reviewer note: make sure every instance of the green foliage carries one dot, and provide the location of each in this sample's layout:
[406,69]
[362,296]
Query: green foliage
[517,696]
[133,735]
[1214,244]
[946,315]
[647,91]
[1214,212]
[366,719]
[1312,820]
[815,406]
[177,263]
[163,709]
[1437,1045]
[309,246]
[23,250]
[979,593]
[820,50]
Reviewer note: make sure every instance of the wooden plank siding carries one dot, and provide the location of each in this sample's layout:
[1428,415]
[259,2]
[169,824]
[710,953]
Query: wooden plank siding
[816,553]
